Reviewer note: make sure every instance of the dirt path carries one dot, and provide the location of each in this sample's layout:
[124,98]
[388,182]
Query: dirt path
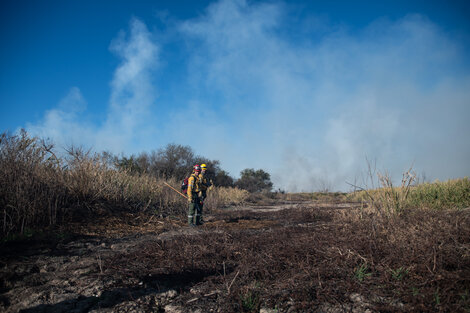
[69,274]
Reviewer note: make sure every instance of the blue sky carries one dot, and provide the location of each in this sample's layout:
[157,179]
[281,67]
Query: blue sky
[303,89]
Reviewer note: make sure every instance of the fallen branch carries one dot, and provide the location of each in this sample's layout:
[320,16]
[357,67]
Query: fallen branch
[233,280]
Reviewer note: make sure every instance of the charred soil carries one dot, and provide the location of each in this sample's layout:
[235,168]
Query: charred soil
[304,257]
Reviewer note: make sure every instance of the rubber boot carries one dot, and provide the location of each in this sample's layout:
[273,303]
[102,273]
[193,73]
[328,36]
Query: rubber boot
[190,221]
[198,220]
[201,219]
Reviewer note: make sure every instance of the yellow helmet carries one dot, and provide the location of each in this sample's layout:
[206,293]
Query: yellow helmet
[203,167]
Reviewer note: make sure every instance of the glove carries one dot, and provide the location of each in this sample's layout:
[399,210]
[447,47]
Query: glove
[190,200]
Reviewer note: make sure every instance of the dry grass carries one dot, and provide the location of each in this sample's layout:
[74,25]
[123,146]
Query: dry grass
[447,195]
[30,183]
[39,189]
[220,197]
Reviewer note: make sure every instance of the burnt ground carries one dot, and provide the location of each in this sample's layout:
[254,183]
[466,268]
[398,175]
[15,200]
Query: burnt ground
[300,257]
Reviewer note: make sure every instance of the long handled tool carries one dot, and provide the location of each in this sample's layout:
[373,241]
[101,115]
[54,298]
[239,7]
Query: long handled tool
[182,194]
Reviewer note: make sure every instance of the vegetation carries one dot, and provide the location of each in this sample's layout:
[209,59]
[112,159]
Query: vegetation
[41,187]
[451,194]
[172,162]
[176,161]
[409,253]
[254,180]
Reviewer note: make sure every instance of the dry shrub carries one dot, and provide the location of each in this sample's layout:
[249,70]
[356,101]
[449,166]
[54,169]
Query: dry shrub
[92,180]
[220,197]
[388,199]
[31,189]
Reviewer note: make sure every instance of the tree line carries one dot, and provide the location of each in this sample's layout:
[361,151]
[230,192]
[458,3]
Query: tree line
[176,161]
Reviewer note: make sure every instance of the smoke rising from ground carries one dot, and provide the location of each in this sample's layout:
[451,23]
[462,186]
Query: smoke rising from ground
[318,107]
[309,110]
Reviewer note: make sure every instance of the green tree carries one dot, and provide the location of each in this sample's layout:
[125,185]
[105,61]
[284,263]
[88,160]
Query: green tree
[223,179]
[172,161]
[254,181]
[129,164]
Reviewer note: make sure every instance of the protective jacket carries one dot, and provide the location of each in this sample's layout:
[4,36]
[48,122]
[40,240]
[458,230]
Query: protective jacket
[194,186]
[195,208]
[204,184]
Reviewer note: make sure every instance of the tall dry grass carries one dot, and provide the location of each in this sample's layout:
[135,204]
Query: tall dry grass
[31,189]
[451,194]
[219,197]
[38,188]
[93,181]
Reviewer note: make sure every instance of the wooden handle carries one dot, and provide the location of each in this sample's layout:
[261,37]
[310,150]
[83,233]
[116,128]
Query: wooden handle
[182,194]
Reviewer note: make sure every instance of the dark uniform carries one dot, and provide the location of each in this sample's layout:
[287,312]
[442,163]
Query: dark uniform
[203,185]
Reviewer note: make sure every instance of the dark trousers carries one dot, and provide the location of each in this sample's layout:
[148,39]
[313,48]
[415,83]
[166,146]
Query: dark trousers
[195,211]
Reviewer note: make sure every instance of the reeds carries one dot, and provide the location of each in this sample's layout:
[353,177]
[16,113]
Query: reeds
[450,194]
[220,197]
[40,187]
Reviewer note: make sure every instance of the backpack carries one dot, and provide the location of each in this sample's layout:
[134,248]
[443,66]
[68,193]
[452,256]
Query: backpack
[184,185]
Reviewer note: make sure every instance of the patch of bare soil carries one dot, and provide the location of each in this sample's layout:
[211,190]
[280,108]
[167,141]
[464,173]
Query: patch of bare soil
[307,257]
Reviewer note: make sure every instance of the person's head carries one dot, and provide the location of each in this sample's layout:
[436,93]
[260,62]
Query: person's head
[203,168]
[197,169]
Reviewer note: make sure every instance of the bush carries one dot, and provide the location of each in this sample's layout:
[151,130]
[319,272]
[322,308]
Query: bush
[254,181]
[172,161]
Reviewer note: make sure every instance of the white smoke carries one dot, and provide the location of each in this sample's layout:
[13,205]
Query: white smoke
[64,124]
[311,111]
[132,96]
[307,108]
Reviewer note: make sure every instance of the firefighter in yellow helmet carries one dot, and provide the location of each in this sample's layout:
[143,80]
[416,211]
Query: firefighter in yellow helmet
[194,199]
[203,185]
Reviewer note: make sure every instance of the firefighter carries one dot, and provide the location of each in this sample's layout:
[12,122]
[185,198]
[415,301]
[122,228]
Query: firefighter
[194,199]
[203,185]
